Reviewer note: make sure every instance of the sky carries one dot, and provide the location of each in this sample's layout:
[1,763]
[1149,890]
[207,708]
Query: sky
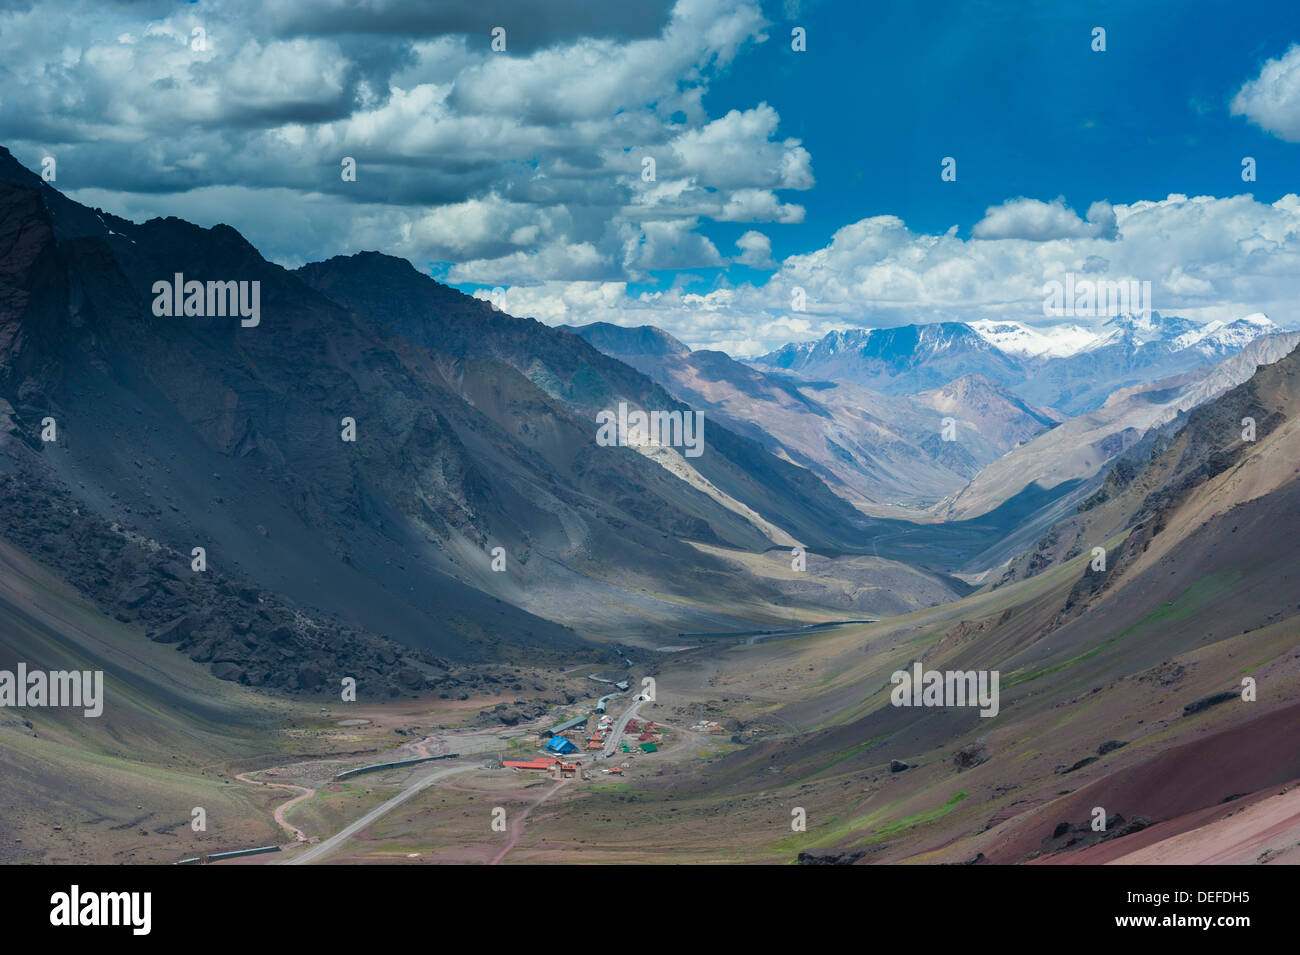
[793,191]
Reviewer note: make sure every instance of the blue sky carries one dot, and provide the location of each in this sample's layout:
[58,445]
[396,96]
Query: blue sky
[781,176]
[1015,93]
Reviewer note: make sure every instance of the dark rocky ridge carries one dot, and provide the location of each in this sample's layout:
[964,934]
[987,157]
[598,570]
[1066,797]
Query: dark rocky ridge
[243,634]
[475,430]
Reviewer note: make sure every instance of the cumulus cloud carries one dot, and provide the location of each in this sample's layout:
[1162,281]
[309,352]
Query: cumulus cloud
[523,169]
[1272,99]
[1039,221]
[755,250]
[737,151]
[516,166]
[666,245]
[1207,258]
[758,205]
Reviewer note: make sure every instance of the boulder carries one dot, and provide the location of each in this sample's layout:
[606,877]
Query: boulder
[226,670]
[179,629]
[136,593]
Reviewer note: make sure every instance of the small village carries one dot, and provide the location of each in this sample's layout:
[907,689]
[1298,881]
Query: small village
[562,744]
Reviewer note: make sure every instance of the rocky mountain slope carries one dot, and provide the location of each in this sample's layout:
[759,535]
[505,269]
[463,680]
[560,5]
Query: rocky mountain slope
[1160,687]
[884,453]
[1082,446]
[474,430]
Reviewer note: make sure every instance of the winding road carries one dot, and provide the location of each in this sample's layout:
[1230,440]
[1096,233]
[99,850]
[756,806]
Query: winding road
[339,839]
[280,810]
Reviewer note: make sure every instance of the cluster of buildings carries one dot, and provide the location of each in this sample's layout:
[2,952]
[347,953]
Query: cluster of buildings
[572,737]
[649,737]
[604,726]
[564,741]
[556,767]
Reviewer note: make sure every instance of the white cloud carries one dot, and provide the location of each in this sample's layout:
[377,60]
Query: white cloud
[526,162]
[1207,258]
[737,151]
[524,169]
[672,244]
[575,258]
[1272,100]
[480,227]
[1040,221]
[755,250]
[758,205]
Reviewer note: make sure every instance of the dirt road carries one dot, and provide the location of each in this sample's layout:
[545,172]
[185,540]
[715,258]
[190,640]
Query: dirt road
[516,826]
[304,793]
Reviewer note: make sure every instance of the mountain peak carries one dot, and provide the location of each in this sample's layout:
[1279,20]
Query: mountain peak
[898,360]
[372,283]
[625,340]
[1029,341]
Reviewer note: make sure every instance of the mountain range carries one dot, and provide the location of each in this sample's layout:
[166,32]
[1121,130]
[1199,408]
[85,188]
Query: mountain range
[470,512]
[885,450]
[386,479]
[1073,369]
[473,432]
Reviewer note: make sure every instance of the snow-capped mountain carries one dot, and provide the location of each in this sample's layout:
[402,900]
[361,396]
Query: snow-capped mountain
[1139,331]
[1217,338]
[1016,338]
[901,360]
[1071,367]
[1061,341]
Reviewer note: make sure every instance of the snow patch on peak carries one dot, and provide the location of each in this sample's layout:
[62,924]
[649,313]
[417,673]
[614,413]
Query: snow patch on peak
[1219,336]
[1056,341]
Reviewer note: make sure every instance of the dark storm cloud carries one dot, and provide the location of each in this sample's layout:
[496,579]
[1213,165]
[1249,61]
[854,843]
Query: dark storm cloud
[529,24]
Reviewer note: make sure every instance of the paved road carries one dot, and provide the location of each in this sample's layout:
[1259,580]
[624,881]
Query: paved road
[611,744]
[334,842]
[807,630]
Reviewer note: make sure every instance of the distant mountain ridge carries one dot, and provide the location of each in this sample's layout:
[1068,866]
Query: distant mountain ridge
[885,453]
[901,360]
[879,451]
[1074,370]
[620,340]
